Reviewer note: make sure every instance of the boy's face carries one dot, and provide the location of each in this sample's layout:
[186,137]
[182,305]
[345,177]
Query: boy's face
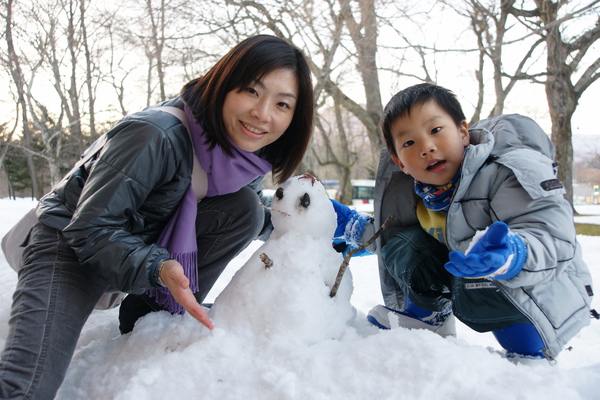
[429,144]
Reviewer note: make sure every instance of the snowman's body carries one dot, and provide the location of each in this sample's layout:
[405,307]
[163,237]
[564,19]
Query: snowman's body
[291,298]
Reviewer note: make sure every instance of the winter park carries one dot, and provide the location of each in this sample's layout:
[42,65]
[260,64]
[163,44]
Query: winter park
[281,337]
[141,132]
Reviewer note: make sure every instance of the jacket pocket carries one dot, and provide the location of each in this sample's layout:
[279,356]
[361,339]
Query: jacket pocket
[558,299]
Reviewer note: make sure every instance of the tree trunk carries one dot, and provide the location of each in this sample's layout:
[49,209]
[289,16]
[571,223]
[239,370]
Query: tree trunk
[560,93]
[17,75]
[364,37]
[157,43]
[73,91]
[88,71]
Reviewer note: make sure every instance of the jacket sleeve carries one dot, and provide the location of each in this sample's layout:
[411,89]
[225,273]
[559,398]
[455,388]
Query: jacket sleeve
[541,217]
[134,161]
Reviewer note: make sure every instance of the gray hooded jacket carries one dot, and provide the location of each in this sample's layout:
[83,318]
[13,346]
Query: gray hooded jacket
[508,174]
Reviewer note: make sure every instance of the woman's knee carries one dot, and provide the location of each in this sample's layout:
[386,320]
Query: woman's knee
[247,211]
[238,212]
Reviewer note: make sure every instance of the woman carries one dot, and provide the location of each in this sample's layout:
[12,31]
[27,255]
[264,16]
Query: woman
[121,221]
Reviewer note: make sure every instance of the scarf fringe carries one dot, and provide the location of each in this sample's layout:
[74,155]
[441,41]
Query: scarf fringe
[163,296]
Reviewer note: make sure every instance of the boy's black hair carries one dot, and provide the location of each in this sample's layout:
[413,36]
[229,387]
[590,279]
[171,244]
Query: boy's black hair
[403,101]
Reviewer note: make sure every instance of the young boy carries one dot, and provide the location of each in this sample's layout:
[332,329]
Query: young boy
[482,230]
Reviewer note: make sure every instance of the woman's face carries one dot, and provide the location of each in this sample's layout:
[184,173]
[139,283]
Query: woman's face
[259,114]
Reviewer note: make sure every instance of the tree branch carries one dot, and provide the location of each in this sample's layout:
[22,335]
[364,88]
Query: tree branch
[349,255]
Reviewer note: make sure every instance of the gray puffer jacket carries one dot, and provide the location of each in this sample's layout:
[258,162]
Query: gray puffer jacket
[507,175]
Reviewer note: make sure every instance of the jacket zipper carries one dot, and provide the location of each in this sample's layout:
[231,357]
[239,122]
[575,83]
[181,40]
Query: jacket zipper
[545,351]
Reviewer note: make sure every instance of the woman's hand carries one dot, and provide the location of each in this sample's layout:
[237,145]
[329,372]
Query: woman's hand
[175,280]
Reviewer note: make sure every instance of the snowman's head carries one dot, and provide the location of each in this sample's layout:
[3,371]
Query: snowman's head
[301,204]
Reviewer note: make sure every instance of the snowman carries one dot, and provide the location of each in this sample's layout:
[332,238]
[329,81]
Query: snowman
[283,290]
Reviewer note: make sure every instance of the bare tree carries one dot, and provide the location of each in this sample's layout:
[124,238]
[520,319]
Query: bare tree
[566,56]
[328,152]
[157,42]
[339,38]
[362,27]
[116,72]
[159,27]
[14,66]
[89,69]
[491,22]
[351,45]
[59,46]
[51,134]
[6,138]
[72,96]
[54,45]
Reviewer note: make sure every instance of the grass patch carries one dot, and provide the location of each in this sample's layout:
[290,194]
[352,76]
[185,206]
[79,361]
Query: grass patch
[587,229]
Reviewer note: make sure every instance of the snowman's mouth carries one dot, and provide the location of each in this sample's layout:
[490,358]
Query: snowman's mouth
[274,209]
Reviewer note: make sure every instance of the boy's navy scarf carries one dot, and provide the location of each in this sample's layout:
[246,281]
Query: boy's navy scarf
[437,199]
[225,175]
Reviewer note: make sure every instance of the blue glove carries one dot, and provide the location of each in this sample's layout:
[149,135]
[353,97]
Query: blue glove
[350,227]
[497,254]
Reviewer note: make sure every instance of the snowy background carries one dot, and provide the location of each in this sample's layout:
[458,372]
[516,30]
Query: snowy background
[174,357]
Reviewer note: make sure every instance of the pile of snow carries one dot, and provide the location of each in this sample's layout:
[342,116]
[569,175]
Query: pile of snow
[169,357]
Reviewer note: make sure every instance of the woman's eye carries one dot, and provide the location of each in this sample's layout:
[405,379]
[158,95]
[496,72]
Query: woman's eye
[251,90]
[283,105]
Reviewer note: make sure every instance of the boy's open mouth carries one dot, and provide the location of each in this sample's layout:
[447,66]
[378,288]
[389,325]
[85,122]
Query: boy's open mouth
[435,165]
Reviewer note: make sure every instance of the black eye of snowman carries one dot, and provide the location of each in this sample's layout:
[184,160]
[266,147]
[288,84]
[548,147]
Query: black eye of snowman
[305,200]
[279,193]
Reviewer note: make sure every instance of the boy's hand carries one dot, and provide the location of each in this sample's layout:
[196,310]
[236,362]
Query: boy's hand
[351,225]
[497,254]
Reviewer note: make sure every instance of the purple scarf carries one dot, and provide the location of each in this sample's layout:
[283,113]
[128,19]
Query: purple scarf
[225,175]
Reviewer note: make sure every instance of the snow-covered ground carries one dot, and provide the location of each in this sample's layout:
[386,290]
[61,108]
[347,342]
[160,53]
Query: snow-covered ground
[174,357]
[589,214]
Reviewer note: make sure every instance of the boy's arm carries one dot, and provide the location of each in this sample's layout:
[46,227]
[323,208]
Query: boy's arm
[543,221]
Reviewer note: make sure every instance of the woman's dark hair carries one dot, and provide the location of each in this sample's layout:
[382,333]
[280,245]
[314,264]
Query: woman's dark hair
[247,62]
[403,101]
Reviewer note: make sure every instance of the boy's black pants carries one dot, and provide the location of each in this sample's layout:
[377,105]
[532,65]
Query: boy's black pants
[416,262]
